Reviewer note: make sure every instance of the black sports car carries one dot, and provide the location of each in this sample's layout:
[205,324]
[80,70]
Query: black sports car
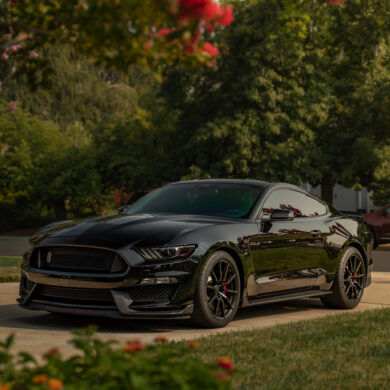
[200,249]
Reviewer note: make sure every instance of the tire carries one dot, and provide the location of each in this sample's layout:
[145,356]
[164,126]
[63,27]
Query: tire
[218,291]
[349,281]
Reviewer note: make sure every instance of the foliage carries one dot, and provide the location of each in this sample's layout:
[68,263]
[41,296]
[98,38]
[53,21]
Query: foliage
[102,366]
[381,183]
[38,162]
[75,92]
[290,98]
[115,34]
[136,153]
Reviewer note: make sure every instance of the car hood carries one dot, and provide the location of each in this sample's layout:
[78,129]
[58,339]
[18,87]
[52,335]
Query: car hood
[117,230]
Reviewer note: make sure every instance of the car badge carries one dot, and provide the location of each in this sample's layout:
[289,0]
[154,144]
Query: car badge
[48,258]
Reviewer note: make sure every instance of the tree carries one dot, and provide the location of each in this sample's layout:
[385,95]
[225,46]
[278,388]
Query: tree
[41,164]
[137,152]
[74,93]
[290,99]
[115,34]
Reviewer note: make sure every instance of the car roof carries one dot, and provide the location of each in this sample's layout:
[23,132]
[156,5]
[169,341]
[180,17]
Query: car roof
[258,183]
[253,182]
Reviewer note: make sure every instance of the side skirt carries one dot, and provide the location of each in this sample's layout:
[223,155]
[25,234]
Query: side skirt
[287,297]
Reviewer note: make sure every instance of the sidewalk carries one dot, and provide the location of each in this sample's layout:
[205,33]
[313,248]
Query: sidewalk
[37,331]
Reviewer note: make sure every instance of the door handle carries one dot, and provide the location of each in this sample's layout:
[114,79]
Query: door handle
[315,232]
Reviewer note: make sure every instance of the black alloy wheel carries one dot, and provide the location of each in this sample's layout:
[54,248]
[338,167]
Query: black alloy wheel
[354,277]
[349,282]
[218,291]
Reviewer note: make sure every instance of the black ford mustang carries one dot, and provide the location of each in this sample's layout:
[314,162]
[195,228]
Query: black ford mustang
[200,249]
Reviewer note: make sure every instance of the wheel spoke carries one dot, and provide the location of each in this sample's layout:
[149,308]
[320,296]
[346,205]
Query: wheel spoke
[226,272]
[214,288]
[230,291]
[231,279]
[223,308]
[227,301]
[214,276]
[220,272]
[211,300]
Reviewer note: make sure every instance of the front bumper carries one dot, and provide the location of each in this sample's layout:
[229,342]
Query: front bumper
[158,290]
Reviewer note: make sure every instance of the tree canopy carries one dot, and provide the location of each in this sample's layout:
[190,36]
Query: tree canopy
[301,95]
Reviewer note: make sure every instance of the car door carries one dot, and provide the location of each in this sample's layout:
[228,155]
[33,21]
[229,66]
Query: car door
[288,253]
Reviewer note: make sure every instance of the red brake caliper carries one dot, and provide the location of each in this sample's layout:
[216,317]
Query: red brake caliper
[355,274]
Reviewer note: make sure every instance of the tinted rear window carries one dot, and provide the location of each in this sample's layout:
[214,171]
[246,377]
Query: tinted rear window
[221,200]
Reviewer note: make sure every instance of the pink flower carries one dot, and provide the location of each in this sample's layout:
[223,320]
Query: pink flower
[209,27]
[7,36]
[226,364]
[12,106]
[148,45]
[227,17]
[14,48]
[33,54]
[210,49]
[212,11]
[117,198]
[222,377]
[165,31]
[4,56]
[1,85]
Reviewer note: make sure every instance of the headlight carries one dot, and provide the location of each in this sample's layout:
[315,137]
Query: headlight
[165,253]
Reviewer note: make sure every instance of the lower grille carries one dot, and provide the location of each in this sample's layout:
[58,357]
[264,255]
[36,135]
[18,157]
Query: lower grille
[150,293]
[64,294]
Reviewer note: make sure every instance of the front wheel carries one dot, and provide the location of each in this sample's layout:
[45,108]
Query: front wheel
[349,281]
[218,291]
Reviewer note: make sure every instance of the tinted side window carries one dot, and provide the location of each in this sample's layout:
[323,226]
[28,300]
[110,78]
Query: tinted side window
[301,204]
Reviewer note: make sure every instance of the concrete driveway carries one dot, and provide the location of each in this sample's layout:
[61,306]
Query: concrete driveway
[36,332]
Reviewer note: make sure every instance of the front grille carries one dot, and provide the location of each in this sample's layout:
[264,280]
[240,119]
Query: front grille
[73,295]
[78,259]
[152,292]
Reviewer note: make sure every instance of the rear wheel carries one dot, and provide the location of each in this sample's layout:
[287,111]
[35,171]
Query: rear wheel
[349,281]
[218,291]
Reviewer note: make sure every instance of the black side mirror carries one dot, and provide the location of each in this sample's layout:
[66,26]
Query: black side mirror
[281,215]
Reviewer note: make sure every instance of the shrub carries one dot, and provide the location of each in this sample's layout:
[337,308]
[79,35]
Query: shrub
[102,365]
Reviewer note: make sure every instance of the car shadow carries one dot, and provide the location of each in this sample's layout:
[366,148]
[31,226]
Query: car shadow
[13,316]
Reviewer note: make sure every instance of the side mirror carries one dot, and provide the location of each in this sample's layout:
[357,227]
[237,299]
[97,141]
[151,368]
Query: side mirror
[281,215]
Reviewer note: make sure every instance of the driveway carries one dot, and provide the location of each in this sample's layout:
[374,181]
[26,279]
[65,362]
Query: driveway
[36,332]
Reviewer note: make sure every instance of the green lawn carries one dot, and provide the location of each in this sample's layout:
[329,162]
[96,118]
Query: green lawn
[9,268]
[346,351]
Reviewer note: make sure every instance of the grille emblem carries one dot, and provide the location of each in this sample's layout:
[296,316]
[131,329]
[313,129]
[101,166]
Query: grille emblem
[48,258]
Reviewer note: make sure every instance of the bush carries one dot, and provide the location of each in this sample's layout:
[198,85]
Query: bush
[101,366]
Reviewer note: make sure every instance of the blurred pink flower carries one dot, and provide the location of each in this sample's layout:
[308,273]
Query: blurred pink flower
[210,49]
[4,56]
[33,54]
[14,48]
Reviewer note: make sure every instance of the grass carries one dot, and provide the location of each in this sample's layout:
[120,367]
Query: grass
[9,268]
[346,351]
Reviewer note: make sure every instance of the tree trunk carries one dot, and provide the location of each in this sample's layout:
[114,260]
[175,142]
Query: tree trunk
[327,186]
[60,210]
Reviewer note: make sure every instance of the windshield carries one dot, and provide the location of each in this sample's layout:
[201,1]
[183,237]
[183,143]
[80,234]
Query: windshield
[214,199]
